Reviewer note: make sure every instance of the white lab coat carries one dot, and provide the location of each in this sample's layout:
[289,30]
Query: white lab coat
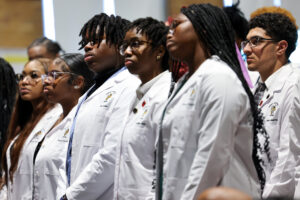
[280,109]
[98,127]
[207,135]
[134,172]
[22,185]
[49,173]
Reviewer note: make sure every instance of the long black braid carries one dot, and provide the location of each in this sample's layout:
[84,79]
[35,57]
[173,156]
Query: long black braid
[156,32]
[8,91]
[214,29]
[113,27]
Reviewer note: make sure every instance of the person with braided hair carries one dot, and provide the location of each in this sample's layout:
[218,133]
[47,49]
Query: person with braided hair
[101,112]
[271,39]
[211,131]
[144,49]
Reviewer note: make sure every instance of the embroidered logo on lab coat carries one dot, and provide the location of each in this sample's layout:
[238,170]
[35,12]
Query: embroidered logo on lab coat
[66,133]
[272,110]
[189,99]
[108,98]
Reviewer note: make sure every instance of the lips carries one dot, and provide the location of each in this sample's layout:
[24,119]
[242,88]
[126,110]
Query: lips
[88,57]
[46,90]
[128,62]
[24,91]
[169,43]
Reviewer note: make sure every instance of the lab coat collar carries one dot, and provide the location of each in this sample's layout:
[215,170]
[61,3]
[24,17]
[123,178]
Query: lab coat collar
[116,78]
[275,82]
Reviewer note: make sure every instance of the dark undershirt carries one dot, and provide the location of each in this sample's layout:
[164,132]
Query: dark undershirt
[100,78]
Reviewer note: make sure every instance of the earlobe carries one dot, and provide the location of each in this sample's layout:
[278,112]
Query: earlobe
[78,82]
[161,52]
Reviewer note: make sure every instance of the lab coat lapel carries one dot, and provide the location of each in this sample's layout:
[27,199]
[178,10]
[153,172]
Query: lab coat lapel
[276,86]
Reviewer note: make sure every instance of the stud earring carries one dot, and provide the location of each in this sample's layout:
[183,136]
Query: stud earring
[157,57]
[76,87]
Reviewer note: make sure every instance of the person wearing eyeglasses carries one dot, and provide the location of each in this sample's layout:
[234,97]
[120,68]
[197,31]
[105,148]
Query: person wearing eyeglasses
[67,79]
[101,112]
[271,39]
[32,117]
[145,56]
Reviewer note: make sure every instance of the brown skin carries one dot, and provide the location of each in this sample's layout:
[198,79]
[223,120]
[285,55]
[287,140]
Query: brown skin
[223,193]
[185,45]
[60,90]
[40,52]
[31,88]
[143,61]
[267,57]
[101,58]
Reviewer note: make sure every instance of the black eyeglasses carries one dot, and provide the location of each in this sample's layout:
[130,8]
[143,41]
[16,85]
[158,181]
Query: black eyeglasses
[52,76]
[33,76]
[133,44]
[254,41]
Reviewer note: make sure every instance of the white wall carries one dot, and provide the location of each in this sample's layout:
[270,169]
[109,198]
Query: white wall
[133,9]
[70,16]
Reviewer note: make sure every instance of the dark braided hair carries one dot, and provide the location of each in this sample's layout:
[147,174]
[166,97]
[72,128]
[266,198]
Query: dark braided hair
[156,32]
[8,91]
[113,27]
[278,27]
[215,31]
[51,46]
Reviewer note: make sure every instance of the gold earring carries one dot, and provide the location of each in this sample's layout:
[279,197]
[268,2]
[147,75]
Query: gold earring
[157,57]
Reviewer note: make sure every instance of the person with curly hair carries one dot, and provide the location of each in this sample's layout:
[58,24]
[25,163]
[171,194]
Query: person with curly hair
[270,41]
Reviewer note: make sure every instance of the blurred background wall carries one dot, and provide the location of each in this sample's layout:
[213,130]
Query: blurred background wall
[21,21]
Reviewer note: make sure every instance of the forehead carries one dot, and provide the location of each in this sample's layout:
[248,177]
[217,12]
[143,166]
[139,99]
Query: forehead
[33,66]
[132,33]
[257,31]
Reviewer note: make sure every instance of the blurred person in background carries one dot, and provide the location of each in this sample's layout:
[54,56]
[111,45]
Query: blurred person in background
[43,48]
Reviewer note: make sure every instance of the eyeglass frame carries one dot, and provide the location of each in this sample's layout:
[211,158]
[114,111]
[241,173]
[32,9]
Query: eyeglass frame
[54,76]
[31,79]
[134,47]
[258,38]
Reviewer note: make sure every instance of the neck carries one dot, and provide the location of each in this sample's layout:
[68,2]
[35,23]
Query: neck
[67,105]
[37,104]
[150,75]
[264,75]
[196,59]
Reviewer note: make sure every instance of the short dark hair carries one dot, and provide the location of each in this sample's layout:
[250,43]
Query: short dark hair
[114,27]
[238,21]
[279,27]
[51,46]
[155,31]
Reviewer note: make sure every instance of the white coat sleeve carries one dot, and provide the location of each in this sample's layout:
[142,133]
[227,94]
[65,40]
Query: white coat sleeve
[98,175]
[282,182]
[221,104]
